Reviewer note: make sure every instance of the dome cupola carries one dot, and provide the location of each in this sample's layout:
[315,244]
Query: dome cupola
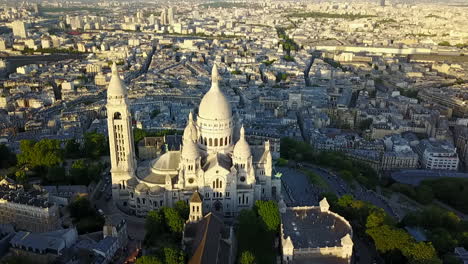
[190,131]
[190,148]
[214,105]
[242,148]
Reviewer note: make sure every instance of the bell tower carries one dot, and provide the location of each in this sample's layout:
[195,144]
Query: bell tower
[119,123]
[196,207]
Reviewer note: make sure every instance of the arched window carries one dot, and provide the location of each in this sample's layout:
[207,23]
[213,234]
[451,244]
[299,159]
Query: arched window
[204,141]
[220,184]
[225,141]
[138,200]
[215,142]
[210,141]
[220,142]
[214,184]
[117,116]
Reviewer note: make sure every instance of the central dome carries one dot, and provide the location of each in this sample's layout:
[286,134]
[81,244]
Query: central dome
[214,105]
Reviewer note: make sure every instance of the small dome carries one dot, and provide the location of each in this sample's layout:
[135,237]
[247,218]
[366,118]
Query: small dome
[132,182]
[156,190]
[242,148]
[190,131]
[214,104]
[168,161]
[190,150]
[142,188]
[116,87]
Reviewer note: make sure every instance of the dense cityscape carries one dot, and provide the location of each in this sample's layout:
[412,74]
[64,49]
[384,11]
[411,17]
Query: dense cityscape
[172,132]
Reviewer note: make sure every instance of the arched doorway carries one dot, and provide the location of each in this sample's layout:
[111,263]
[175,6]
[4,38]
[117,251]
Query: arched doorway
[218,206]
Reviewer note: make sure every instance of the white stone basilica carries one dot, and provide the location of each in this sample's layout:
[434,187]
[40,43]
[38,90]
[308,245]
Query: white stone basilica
[230,177]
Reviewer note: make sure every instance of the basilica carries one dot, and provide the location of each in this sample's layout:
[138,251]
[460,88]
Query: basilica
[214,161]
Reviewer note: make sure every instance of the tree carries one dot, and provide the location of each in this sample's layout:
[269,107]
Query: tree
[173,220]
[365,124]
[444,43]
[21,176]
[378,218]
[182,208]
[44,153]
[269,214]
[155,223]
[80,208]
[421,253]
[387,238]
[173,256]
[95,145]
[148,260]
[7,158]
[138,134]
[72,149]
[79,172]
[247,258]
[85,217]
[56,174]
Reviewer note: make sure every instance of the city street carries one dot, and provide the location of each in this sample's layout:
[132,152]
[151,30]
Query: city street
[303,193]
[135,225]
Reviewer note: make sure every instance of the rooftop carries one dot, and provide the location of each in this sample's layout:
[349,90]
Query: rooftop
[308,227]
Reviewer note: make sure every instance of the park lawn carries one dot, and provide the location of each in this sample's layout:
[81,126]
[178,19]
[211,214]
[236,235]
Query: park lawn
[315,179]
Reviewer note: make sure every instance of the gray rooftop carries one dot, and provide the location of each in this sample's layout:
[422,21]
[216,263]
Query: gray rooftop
[311,228]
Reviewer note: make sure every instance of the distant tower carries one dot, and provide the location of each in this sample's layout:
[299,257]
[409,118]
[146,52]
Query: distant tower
[382,2]
[164,17]
[19,29]
[196,207]
[170,15]
[119,123]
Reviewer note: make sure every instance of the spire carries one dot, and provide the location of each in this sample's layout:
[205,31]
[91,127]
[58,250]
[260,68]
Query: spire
[114,69]
[116,87]
[215,78]
[190,117]
[242,132]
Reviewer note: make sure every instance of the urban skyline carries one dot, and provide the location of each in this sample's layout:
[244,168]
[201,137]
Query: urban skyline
[234,132]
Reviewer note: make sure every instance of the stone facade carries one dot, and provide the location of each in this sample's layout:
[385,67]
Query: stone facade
[26,210]
[229,176]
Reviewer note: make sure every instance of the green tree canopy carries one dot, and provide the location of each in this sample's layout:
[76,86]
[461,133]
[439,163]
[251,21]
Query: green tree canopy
[21,176]
[148,260]
[174,256]
[173,220]
[81,207]
[46,153]
[247,258]
[155,222]
[95,145]
[72,149]
[269,214]
[183,209]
